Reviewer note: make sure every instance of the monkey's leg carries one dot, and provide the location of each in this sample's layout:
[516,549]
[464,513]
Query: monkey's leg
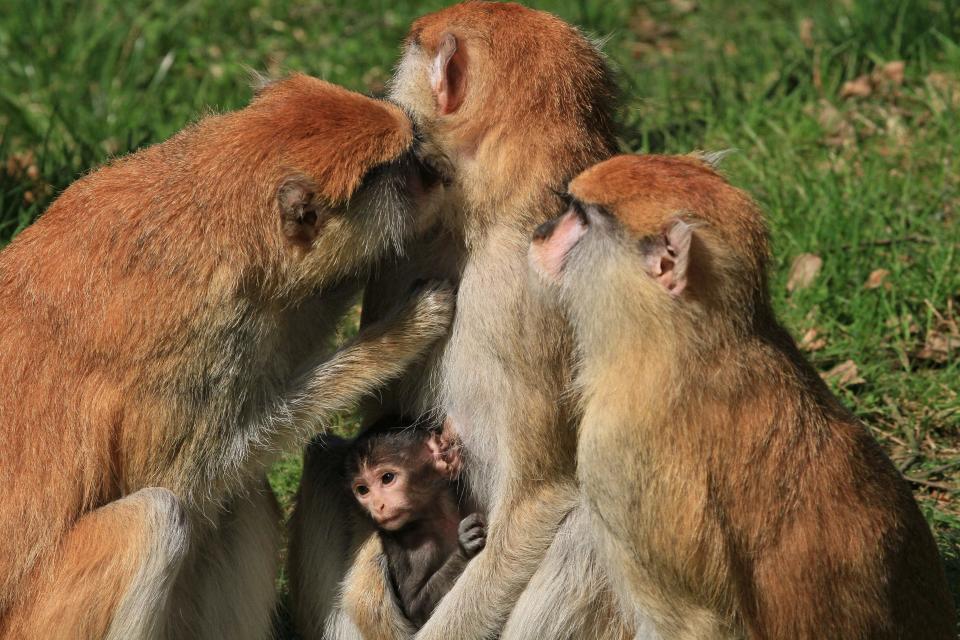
[112,575]
[320,530]
[520,533]
[570,597]
[227,588]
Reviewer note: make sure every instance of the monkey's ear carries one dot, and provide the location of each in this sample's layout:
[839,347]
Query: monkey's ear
[666,257]
[300,214]
[446,458]
[448,74]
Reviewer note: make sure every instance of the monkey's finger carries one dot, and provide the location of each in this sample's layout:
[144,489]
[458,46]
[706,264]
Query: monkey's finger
[475,546]
[472,520]
[473,534]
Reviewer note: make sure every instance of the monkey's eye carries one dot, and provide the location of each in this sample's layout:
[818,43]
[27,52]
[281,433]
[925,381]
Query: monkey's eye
[362,490]
[388,477]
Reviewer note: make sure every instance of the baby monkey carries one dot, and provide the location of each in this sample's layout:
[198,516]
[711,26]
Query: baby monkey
[405,476]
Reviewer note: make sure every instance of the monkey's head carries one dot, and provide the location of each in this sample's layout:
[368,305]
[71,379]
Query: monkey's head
[345,182]
[651,240]
[501,90]
[398,471]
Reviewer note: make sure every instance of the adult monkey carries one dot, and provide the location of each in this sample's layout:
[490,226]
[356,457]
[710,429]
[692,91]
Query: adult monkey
[163,335]
[513,102]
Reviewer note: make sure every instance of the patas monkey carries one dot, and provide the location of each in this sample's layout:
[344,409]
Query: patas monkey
[404,476]
[164,326]
[512,103]
[733,496]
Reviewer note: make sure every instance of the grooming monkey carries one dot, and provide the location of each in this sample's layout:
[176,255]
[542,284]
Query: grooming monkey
[734,497]
[512,103]
[165,326]
[404,477]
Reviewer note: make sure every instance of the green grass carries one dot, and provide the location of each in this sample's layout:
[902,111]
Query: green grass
[865,183]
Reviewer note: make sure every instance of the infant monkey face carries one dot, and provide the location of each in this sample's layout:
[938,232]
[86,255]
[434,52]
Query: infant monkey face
[384,490]
[402,474]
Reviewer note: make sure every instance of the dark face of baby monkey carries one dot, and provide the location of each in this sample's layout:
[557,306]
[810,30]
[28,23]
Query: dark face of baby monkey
[403,474]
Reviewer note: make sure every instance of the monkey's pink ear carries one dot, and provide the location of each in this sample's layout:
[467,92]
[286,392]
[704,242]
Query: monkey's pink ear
[446,458]
[448,75]
[667,257]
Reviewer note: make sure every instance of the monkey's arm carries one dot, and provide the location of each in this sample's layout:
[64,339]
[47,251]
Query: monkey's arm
[420,605]
[382,351]
[519,534]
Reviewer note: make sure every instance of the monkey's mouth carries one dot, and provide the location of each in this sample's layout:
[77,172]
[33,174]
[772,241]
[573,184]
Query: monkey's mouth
[393,522]
[554,239]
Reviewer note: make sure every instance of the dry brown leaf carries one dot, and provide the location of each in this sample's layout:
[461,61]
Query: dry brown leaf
[942,342]
[804,270]
[839,132]
[857,88]
[893,72]
[649,29]
[845,374]
[811,341]
[876,278]
[806,32]
[939,347]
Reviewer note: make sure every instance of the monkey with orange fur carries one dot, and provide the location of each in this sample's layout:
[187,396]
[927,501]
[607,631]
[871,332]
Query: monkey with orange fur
[165,331]
[512,103]
[733,496]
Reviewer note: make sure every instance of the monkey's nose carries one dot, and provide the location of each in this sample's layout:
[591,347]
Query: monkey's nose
[545,230]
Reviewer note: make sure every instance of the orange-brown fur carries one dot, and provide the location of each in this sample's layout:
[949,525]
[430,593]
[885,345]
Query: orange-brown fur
[533,109]
[161,328]
[734,496]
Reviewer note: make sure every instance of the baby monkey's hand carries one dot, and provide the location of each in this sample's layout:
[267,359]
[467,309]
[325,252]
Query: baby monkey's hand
[472,534]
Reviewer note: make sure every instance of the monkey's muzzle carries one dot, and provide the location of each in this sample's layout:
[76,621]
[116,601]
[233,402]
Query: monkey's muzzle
[553,240]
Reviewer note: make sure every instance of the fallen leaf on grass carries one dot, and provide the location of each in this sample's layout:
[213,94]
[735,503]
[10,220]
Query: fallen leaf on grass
[859,87]
[884,80]
[876,278]
[939,347]
[811,341]
[891,72]
[804,270]
[839,132]
[845,374]
[942,342]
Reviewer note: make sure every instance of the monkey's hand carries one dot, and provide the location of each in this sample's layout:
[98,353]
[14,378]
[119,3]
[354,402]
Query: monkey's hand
[426,316]
[378,354]
[472,533]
